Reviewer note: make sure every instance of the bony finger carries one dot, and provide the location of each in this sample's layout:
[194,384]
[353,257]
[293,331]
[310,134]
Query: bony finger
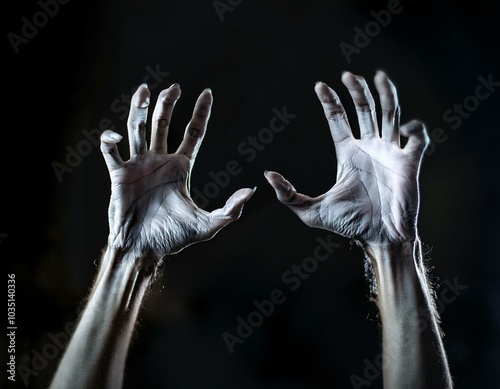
[140,99]
[283,188]
[334,112]
[231,211]
[418,139]
[137,120]
[112,137]
[302,205]
[364,103]
[390,107]
[197,126]
[162,116]
[234,205]
[109,139]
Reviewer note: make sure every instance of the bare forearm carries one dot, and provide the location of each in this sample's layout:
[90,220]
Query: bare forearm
[413,351]
[96,354]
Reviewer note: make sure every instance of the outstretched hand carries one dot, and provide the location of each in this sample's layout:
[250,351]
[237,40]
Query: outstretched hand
[150,209]
[376,197]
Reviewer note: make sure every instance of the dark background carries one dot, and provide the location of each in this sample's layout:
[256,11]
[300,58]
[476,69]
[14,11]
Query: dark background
[262,55]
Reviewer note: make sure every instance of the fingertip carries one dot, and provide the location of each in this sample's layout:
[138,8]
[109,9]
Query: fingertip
[272,177]
[116,137]
[413,127]
[141,97]
[109,136]
[321,88]
[380,76]
[243,195]
[283,188]
[234,205]
[171,93]
[347,77]
[268,173]
[418,139]
[324,92]
[206,97]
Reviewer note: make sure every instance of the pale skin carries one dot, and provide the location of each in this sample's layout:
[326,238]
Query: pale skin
[151,215]
[375,201]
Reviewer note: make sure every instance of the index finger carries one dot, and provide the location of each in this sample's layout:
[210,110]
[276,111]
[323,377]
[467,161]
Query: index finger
[137,120]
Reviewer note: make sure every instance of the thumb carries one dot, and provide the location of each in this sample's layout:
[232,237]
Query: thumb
[230,212]
[285,192]
[301,204]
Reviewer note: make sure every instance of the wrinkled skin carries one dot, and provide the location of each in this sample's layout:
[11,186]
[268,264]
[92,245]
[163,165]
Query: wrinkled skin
[150,208]
[375,199]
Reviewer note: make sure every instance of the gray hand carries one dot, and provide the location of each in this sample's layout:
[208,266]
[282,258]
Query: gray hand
[150,209]
[376,197]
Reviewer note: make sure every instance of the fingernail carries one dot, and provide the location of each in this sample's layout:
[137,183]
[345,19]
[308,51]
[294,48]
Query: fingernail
[144,85]
[175,85]
[317,82]
[254,189]
[265,172]
[207,90]
[115,136]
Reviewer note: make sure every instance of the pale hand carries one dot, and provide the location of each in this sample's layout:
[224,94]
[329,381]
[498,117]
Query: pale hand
[375,199]
[150,210]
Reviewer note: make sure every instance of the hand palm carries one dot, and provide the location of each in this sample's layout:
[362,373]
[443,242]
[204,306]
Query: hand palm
[150,204]
[376,186]
[375,198]
[150,208]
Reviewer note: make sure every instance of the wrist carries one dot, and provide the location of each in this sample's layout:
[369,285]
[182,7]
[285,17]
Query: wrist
[128,263]
[391,252]
[394,266]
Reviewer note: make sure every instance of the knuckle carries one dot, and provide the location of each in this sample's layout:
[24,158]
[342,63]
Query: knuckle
[195,132]
[202,111]
[334,112]
[163,122]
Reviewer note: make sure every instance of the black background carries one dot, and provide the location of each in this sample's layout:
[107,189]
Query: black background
[262,55]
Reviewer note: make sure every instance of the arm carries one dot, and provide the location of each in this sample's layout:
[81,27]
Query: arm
[413,352]
[375,201]
[151,215]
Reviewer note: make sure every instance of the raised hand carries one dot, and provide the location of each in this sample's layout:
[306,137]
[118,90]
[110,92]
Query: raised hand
[151,210]
[376,197]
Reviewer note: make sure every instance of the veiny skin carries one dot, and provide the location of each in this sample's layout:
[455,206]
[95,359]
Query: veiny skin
[374,201]
[150,208]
